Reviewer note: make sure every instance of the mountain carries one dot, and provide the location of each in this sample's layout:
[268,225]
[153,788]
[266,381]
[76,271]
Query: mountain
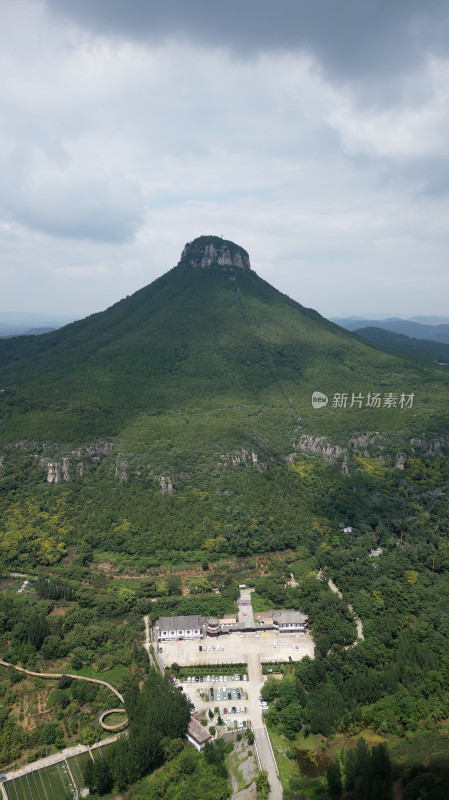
[432,331]
[208,334]
[430,320]
[145,419]
[415,348]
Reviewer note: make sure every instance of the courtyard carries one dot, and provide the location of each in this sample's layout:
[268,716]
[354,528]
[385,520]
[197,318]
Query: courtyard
[235,648]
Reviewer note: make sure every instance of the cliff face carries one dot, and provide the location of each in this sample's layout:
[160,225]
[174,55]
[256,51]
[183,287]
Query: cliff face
[212,251]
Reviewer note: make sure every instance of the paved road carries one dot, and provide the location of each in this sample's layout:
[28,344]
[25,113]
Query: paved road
[266,756]
[246,615]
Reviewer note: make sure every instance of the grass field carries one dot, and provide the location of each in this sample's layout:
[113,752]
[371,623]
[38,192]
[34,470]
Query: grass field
[76,764]
[110,676]
[98,752]
[50,783]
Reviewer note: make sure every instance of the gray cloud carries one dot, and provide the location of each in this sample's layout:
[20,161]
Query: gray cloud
[317,142]
[352,39]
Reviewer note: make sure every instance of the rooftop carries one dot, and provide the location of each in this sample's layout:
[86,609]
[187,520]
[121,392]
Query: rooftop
[198,731]
[289,616]
[180,623]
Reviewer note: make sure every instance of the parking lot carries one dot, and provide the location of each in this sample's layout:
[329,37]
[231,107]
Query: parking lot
[230,694]
[253,648]
[234,648]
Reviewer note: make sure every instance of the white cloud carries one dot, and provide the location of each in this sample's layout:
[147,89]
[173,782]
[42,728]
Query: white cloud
[82,271]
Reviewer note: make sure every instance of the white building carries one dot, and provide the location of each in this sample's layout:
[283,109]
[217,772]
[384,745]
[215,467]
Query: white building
[289,621]
[197,734]
[170,629]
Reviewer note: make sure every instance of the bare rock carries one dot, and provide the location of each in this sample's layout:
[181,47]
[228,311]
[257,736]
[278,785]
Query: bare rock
[212,251]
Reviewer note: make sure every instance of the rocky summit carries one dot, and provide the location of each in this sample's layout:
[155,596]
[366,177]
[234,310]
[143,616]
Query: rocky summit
[213,251]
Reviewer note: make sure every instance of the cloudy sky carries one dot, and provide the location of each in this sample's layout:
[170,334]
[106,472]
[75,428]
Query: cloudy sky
[312,132]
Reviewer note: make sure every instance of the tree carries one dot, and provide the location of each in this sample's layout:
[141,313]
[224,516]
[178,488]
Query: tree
[333,775]
[37,629]
[262,785]
[173,584]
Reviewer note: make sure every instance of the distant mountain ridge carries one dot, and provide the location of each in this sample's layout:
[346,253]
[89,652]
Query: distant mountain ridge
[398,342]
[416,330]
[23,323]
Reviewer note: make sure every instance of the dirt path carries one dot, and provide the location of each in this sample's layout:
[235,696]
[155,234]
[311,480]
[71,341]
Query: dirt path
[146,643]
[75,677]
[358,621]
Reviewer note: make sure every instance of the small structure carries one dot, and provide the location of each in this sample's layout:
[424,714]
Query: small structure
[228,621]
[289,621]
[197,734]
[213,626]
[169,629]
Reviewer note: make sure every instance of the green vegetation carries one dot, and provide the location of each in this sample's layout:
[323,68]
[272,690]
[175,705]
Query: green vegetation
[51,782]
[222,669]
[158,717]
[178,431]
[191,774]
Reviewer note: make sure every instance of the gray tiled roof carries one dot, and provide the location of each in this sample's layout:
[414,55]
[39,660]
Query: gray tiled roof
[289,616]
[180,623]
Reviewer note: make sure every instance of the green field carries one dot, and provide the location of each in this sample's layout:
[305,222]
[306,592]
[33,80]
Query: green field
[76,764]
[50,783]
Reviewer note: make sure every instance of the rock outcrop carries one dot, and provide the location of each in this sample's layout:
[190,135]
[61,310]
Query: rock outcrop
[59,470]
[212,251]
[241,457]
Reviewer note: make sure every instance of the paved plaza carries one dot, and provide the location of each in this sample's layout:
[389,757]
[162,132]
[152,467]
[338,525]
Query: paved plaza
[252,648]
[234,648]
